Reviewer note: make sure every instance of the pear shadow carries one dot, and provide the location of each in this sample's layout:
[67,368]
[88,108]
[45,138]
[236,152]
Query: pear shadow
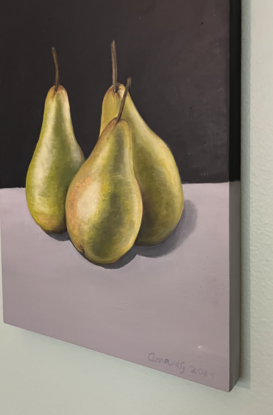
[124,260]
[128,257]
[185,227]
[59,236]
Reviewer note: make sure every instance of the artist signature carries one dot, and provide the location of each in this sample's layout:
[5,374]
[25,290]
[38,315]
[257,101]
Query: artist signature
[181,366]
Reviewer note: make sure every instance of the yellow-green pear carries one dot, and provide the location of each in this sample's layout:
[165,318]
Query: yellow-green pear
[56,160]
[103,204]
[154,165]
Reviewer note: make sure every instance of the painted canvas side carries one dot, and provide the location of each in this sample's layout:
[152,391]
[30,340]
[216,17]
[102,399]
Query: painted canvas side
[235,279]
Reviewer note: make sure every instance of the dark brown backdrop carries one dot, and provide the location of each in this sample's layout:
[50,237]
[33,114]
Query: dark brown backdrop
[177,53]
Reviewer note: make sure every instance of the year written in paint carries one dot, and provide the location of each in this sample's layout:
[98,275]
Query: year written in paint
[181,366]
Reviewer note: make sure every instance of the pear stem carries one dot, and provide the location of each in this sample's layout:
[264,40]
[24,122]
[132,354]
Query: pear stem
[114,66]
[128,84]
[57,76]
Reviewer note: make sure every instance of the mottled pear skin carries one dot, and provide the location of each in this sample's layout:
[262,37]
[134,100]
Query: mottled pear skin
[56,160]
[103,204]
[155,170]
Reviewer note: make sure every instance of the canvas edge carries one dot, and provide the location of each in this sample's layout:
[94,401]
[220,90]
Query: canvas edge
[234,283]
[235,192]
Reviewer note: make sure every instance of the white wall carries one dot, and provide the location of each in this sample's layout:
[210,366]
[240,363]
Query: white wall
[42,376]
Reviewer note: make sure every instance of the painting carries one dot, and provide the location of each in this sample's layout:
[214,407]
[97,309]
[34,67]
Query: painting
[120,180]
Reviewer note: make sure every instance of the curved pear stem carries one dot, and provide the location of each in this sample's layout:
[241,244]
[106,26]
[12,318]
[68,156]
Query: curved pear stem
[114,66]
[57,76]
[128,84]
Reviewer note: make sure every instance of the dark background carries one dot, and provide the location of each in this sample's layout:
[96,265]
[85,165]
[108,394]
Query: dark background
[178,53]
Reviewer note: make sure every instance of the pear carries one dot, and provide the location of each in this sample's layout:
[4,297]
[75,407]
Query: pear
[56,160]
[154,165]
[103,204]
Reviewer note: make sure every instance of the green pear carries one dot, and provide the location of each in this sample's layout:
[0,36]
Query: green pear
[103,204]
[154,165]
[56,160]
